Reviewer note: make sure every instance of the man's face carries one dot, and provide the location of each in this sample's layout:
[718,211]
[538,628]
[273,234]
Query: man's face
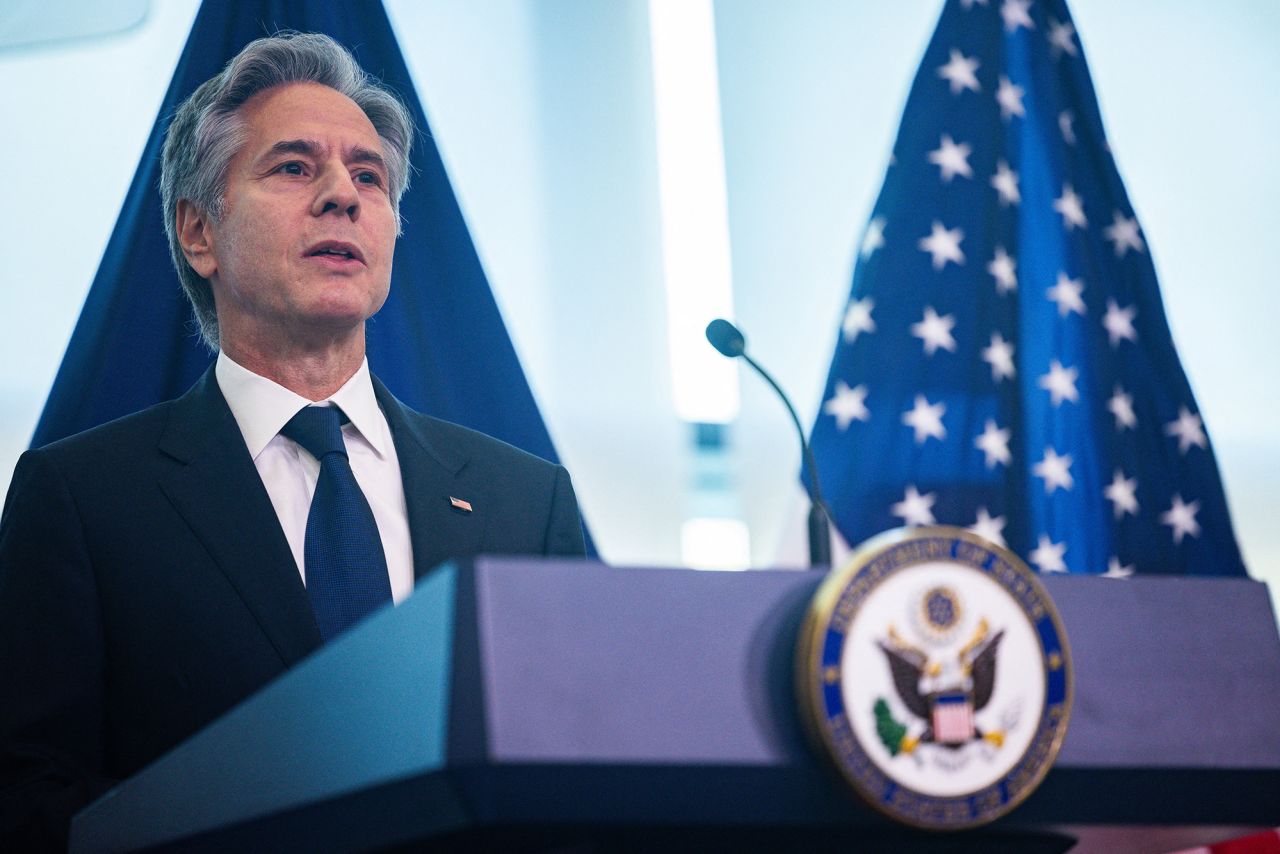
[305,243]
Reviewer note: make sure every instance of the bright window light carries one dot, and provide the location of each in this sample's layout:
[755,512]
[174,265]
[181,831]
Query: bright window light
[715,544]
[695,218]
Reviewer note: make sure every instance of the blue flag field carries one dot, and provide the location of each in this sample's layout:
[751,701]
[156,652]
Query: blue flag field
[1004,363]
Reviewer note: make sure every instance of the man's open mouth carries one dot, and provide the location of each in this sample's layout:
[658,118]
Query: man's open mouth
[336,250]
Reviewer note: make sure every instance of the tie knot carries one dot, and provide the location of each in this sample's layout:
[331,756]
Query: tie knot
[318,429]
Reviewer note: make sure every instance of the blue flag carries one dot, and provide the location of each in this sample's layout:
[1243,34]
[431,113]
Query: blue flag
[439,343]
[1004,363]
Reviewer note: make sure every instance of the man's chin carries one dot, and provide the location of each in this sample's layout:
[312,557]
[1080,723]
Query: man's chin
[337,316]
[306,333]
[330,326]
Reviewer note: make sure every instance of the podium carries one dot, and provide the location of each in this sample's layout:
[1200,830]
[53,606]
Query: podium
[564,705]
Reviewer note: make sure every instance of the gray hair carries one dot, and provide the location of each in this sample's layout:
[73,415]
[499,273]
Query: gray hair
[207,132]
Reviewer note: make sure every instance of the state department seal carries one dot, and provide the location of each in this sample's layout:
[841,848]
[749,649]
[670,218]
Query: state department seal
[934,672]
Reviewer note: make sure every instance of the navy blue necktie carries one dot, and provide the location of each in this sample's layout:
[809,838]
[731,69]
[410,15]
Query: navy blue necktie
[346,568]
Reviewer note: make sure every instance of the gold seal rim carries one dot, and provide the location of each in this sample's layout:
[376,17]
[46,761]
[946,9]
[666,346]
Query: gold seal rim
[808,666]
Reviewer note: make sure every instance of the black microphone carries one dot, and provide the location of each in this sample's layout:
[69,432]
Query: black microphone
[727,339]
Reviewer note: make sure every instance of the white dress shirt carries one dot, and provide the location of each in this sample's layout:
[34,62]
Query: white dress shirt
[262,407]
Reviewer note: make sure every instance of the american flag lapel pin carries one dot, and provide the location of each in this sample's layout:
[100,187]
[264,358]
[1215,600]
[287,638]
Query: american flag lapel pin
[459,504]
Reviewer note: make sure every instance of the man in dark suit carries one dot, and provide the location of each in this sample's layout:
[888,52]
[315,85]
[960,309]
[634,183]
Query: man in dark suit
[159,569]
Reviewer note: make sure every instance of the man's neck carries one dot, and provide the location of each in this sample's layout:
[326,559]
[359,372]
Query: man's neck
[315,372]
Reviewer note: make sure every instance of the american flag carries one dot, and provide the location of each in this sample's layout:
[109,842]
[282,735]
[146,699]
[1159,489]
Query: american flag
[1004,363]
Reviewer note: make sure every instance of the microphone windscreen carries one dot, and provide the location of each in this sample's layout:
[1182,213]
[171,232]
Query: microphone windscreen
[726,338]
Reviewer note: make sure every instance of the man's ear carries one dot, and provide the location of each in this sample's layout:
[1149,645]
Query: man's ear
[195,236]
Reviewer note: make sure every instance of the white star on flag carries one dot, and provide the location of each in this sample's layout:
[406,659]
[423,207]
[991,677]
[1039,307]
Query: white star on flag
[1000,357]
[1016,14]
[944,245]
[1182,519]
[857,319]
[989,529]
[935,331]
[1009,97]
[1048,555]
[1071,207]
[1189,430]
[952,158]
[874,238]
[1123,234]
[926,419]
[1115,570]
[1121,494]
[1066,293]
[1119,323]
[1060,382]
[849,404]
[1066,127]
[1004,269]
[1006,183]
[994,444]
[1061,36]
[960,72]
[915,509]
[1121,406]
[1055,471]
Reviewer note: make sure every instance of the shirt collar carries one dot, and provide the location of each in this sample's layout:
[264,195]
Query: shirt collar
[357,400]
[262,407]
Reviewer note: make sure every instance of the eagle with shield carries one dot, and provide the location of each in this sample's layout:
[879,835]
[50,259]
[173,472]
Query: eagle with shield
[945,694]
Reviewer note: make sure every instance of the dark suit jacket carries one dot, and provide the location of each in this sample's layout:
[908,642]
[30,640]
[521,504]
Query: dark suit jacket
[146,585]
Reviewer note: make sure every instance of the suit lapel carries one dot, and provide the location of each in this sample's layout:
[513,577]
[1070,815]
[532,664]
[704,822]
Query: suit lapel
[220,495]
[432,474]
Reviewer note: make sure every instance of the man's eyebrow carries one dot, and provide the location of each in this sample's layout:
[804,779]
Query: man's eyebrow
[367,155]
[310,148]
[295,146]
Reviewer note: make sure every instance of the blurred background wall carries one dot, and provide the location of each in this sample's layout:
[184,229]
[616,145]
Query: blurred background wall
[545,114]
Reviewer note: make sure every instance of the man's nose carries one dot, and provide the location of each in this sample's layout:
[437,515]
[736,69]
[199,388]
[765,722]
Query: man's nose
[337,192]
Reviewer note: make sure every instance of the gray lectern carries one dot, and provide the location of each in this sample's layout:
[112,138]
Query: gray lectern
[560,705]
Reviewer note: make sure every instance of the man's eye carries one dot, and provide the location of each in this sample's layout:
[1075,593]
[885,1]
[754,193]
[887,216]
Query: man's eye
[293,167]
[372,178]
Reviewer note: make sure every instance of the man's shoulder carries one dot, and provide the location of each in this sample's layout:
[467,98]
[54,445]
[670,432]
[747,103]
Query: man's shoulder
[129,438]
[453,444]
[532,498]
[92,463]
[120,436]
[455,439]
